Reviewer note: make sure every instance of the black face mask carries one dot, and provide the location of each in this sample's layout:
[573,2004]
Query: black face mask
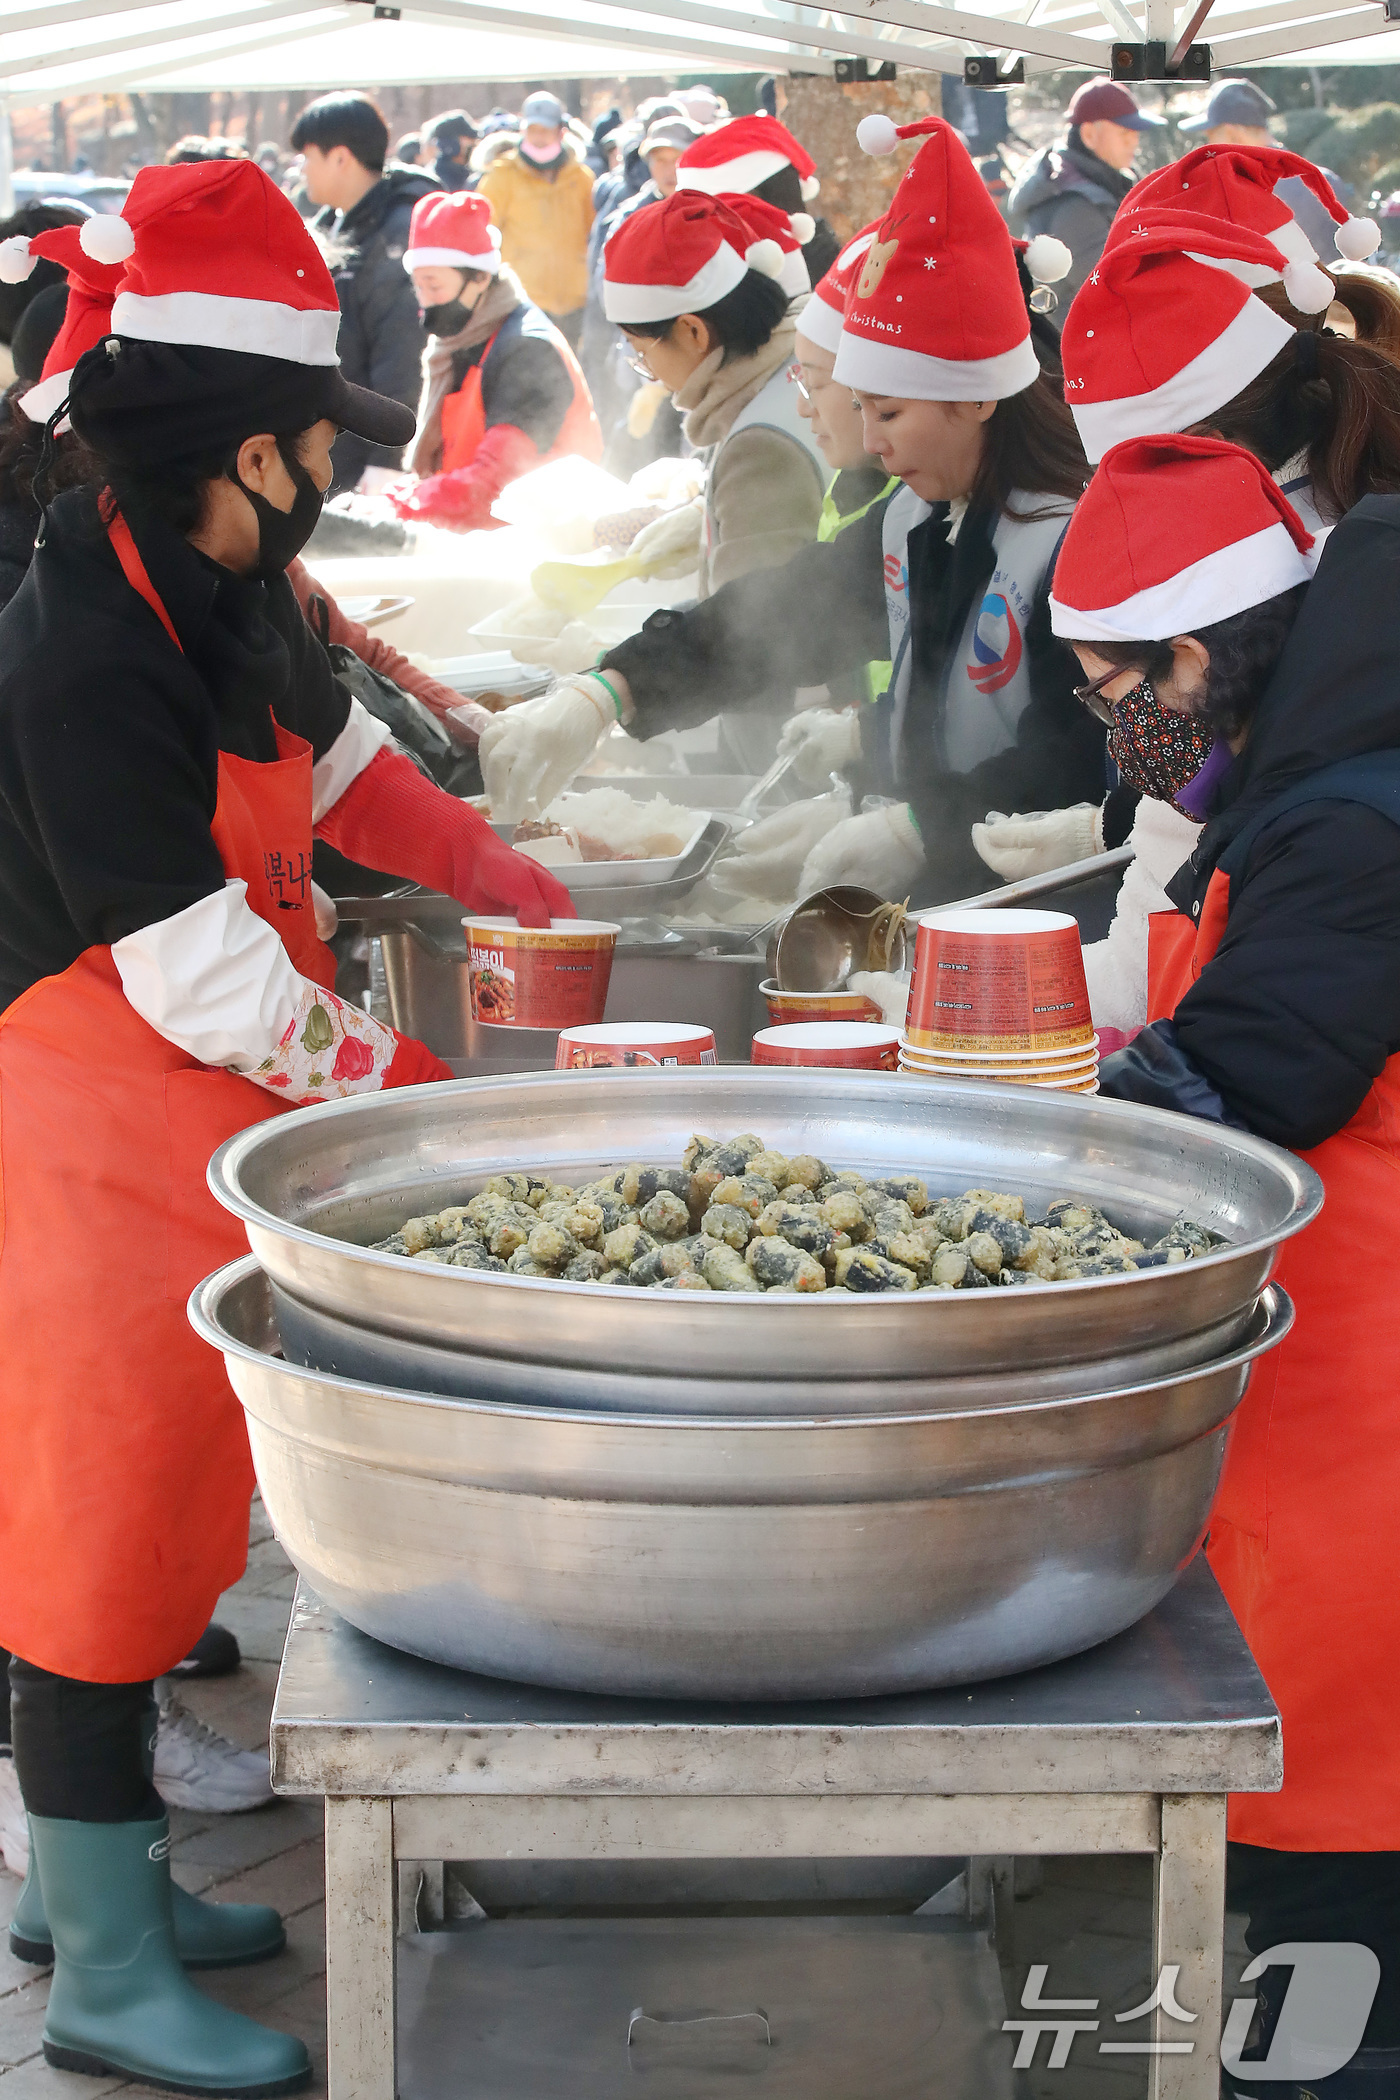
[282,533]
[446,319]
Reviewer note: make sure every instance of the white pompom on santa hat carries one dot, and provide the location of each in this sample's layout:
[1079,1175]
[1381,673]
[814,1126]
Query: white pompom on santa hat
[742,154]
[453,231]
[681,256]
[767,224]
[1240,184]
[936,312]
[1163,331]
[87,317]
[821,319]
[1171,535]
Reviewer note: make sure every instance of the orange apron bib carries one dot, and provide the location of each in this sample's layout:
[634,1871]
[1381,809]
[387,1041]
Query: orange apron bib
[1305,1533]
[126,1478]
[464,416]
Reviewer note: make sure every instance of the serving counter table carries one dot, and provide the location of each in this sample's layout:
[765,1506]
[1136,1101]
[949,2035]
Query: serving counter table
[1130,1748]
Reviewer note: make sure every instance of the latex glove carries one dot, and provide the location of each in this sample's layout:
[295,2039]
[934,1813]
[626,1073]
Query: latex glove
[532,751]
[769,855]
[1018,846]
[881,850]
[671,545]
[823,742]
[467,722]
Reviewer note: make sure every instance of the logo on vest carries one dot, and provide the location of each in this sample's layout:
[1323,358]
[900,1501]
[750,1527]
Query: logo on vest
[896,575]
[996,645]
[160,1849]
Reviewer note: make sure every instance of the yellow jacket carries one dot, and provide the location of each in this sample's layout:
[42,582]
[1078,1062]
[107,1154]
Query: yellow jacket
[544,220]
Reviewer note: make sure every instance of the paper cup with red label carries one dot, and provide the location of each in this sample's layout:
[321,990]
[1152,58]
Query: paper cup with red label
[1031,1062]
[1032,1075]
[856,1046]
[784,1007]
[634,1043]
[553,976]
[998,983]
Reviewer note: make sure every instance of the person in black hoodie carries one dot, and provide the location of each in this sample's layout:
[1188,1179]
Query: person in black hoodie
[363,225]
[1276,995]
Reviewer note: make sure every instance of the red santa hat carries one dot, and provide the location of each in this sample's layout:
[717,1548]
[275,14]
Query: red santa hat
[936,311]
[680,256]
[821,318]
[454,230]
[766,223]
[1162,332]
[1171,535]
[87,317]
[1237,183]
[742,154]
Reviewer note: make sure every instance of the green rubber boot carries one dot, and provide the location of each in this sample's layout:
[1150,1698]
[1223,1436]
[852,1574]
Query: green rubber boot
[120,2004]
[207,1935]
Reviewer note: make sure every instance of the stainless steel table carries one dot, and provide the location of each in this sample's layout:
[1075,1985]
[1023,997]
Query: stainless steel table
[1130,1748]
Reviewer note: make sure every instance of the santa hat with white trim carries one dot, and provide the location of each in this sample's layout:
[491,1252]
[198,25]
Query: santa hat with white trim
[1238,183]
[821,318]
[680,256]
[742,154]
[1162,332]
[767,223]
[454,231]
[217,258]
[1171,535]
[936,311]
[87,317]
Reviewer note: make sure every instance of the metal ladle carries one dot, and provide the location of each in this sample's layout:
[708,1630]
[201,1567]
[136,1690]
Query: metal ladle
[833,932]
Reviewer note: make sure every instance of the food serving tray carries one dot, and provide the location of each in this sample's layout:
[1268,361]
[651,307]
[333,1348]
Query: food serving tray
[597,875]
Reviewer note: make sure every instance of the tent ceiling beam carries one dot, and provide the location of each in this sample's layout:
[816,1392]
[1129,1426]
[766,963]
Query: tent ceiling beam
[984,32]
[766,47]
[139,74]
[268,12]
[1356,25]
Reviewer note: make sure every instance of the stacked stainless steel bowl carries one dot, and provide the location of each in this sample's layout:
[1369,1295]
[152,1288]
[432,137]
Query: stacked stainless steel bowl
[691,1494]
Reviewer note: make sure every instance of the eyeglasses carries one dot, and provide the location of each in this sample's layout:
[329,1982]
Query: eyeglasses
[1092,695]
[637,360]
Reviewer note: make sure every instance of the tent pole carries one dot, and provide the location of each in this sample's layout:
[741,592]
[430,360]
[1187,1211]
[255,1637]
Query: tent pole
[7,162]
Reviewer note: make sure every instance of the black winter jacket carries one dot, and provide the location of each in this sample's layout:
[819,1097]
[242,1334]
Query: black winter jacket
[825,614]
[381,336]
[1297,1013]
[1070,193]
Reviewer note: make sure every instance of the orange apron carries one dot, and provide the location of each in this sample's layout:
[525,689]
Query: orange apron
[464,416]
[1305,1533]
[126,1477]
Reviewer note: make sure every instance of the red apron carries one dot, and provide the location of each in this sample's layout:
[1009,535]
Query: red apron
[126,1476]
[464,416]
[1305,1533]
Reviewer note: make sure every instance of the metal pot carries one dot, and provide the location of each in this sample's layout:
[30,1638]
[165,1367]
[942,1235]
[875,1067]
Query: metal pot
[314,1187]
[735,1559]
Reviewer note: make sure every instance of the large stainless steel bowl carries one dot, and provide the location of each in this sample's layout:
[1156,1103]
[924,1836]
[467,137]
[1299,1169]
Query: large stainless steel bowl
[730,1559]
[313,1187]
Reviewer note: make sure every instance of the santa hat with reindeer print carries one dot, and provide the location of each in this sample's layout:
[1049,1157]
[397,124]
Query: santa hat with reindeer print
[936,312]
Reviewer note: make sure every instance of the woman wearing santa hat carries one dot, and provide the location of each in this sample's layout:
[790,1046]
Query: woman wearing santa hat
[702,288]
[502,391]
[1183,589]
[171,738]
[759,157]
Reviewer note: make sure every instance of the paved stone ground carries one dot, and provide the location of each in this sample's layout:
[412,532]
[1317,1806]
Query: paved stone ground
[1089,1919]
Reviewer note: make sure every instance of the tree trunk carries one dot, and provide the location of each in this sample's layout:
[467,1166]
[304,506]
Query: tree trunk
[856,186]
[59,123]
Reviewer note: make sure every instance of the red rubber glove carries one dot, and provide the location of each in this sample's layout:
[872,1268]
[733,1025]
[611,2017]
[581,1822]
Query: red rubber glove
[413,1064]
[390,817]
[461,499]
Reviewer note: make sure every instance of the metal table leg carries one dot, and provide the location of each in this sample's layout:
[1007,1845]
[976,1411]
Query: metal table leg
[360,1952]
[1188,1930]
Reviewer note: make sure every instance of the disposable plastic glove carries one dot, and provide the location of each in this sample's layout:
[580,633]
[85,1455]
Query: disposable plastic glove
[1018,846]
[532,751]
[881,850]
[822,741]
[670,546]
[770,854]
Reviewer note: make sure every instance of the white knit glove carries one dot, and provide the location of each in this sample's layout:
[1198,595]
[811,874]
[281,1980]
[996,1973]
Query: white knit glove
[769,855]
[1042,839]
[822,742]
[670,545]
[532,751]
[881,850]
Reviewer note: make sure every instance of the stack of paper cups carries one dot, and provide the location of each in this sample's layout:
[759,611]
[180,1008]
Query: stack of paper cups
[1000,995]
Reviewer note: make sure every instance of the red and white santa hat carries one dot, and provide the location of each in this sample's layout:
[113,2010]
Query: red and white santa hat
[1237,183]
[680,256]
[454,230]
[742,154]
[766,223]
[1172,534]
[87,317]
[936,311]
[821,318]
[1163,332]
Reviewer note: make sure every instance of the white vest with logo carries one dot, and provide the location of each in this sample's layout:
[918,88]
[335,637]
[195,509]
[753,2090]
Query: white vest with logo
[773,407]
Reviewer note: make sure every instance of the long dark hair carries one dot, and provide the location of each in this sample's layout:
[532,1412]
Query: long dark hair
[1030,443]
[21,443]
[1243,651]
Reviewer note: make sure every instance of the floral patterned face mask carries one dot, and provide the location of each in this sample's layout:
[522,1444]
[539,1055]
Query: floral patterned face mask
[1157,751]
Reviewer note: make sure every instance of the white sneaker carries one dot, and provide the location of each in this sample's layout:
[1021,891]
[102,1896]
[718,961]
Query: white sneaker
[14,1823]
[200,1769]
